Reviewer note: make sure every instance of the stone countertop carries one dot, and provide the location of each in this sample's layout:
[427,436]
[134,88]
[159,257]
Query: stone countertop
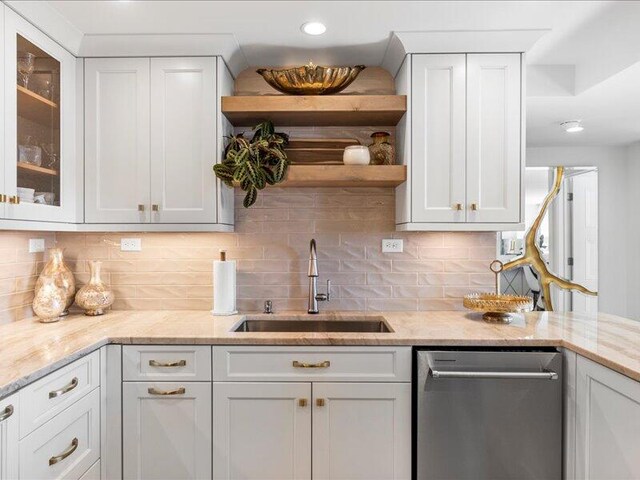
[29,349]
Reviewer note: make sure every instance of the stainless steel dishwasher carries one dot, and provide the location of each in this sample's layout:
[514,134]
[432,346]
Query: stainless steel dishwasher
[487,414]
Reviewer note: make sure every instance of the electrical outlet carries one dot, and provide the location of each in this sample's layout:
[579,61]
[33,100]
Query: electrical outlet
[36,245]
[130,244]
[392,245]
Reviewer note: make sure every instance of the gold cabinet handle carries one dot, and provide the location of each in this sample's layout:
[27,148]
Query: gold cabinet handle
[177,391]
[67,388]
[3,198]
[302,402]
[14,199]
[155,207]
[319,402]
[325,364]
[474,206]
[68,451]
[141,207]
[179,363]
[6,413]
[457,206]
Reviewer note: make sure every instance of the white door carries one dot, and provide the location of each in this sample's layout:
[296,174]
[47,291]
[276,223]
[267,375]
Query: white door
[2,119]
[438,136]
[607,424]
[39,125]
[117,185]
[261,431]
[183,140]
[166,430]
[494,164]
[584,239]
[9,459]
[361,431]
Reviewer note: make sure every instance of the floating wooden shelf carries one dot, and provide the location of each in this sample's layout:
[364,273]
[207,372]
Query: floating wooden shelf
[329,110]
[36,170]
[37,108]
[345,176]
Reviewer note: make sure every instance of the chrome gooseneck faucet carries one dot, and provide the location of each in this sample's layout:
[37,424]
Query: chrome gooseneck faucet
[314,296]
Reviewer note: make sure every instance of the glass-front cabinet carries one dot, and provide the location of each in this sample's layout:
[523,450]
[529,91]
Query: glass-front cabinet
[39,162]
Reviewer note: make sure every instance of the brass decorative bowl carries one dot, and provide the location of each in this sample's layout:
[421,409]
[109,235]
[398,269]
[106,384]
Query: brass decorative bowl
[311,79]
[497,307]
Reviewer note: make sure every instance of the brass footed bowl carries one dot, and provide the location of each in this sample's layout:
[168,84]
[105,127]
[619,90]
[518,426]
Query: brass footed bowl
[497,307]
[311,79]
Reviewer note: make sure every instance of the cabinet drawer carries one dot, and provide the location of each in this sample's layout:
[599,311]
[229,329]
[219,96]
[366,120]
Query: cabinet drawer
[45,398]
[166,363]
[66,446]
[353,364]
[93,473]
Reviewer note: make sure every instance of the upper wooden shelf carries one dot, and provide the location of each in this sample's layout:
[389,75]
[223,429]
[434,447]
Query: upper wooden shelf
[329,110]
[344,176]
[36,170]
[37,108]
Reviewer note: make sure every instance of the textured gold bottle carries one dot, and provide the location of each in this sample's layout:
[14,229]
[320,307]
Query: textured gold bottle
[381,150]
[57,271]
[96,295]
[49,301]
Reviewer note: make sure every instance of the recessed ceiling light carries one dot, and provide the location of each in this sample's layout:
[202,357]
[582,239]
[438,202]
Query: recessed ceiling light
[313,28]
[572,126]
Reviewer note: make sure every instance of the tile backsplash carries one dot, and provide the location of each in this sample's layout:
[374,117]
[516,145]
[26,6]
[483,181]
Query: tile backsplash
[271,247]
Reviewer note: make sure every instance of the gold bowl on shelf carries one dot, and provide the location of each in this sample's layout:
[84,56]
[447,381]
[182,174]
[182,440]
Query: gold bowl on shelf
[497,307]
[311,79]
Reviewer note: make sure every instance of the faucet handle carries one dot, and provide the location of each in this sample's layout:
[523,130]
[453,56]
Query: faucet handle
[325,297]
[328,290]
[268,307]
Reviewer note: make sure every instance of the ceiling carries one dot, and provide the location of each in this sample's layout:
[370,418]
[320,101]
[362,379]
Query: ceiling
[592,45]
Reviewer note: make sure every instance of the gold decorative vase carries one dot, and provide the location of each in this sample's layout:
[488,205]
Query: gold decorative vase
[49,301]
[381,151]
[57,271]
[96,295]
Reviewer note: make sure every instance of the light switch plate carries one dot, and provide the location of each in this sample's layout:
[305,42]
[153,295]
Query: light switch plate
[392,245]
[130,244]
[36,245]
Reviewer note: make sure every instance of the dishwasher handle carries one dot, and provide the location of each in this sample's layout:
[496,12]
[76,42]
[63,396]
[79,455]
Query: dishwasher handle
[544,375]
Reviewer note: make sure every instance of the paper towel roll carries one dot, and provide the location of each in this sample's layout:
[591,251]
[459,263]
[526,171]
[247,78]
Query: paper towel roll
[224,287]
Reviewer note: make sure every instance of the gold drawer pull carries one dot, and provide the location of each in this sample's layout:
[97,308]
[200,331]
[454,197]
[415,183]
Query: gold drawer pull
[3,198]
[67,388]
[6,413]
[319,402]
[177,391]
[179,363]
[15,199]
[325,364]
[302,402]
[474,207]
[70,449]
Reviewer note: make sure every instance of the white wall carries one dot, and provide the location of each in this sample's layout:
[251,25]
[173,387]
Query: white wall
[633,272]
[615,210]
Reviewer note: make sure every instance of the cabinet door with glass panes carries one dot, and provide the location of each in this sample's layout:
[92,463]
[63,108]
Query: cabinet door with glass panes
[39,134]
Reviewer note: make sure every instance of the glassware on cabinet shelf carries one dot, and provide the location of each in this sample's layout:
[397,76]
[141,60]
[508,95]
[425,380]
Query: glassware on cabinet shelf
[51,154]
[26,65]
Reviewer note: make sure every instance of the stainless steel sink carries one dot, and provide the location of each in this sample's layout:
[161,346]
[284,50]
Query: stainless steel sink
[364,325]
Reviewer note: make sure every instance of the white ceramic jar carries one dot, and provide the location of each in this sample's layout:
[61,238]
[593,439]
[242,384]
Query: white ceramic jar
[356,155]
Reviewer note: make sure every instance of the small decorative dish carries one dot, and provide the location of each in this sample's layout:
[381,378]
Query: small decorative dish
[497,307]
[311,79]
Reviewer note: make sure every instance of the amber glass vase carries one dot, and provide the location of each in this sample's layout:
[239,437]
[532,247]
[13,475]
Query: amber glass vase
[96,295]
[381,150]
[56,271]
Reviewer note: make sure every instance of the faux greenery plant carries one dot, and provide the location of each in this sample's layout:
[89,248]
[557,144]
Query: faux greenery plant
[254,164]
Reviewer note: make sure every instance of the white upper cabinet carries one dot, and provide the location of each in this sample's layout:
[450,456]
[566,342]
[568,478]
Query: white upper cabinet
[493,138]
[117,185]
[152,138]
[39,170]
[464,127]
[183,141]
[438,148]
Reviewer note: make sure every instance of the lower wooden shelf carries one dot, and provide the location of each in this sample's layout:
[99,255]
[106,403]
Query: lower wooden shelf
[345,176]
[34,169]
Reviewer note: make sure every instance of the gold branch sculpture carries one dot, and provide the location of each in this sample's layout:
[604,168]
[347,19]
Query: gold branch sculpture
[533,256]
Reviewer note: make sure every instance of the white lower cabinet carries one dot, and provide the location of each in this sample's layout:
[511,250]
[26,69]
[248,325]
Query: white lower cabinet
[166,430]
[607,439]
[66,446]
[9,461]
[361,431]
[261,431]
